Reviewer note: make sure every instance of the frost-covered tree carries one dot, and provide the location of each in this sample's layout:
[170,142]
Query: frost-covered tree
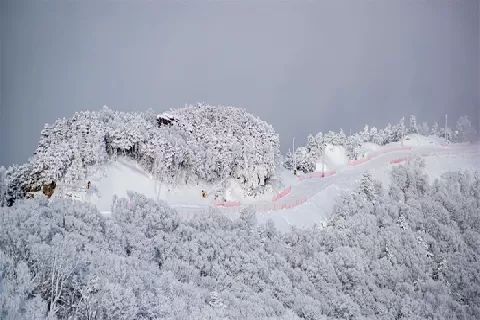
[373,134]
[388,134]
[353,145]
[365,134]
[288,160]
[395,259]
[424,129]
[367,188]
[413,128]
[465,129]
[446,134]
[304,160]
[193,143]
[398,131]
[434,131]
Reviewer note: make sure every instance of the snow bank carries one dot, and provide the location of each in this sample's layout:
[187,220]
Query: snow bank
[377,153]
[124,175]
[368,148]
[317,175]
[417,140]
[335,156]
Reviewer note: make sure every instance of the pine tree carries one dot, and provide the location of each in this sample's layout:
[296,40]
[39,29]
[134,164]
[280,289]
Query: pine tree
[353,144]
[388,134]
[447,135]
[399,130]
[341,138]
[465,129]
[374,135]
[365,134]
[215,301]
[367,188]
[434,131]
[413,125]
[424,129]
[313,148]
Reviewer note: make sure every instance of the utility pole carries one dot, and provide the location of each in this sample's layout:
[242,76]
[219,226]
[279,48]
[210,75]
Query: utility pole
[323,159]
[446,136]
[293,155]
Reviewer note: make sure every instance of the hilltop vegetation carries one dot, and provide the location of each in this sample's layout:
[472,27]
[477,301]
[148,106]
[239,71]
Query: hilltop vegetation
[200,142]
[409,252]
[307,155]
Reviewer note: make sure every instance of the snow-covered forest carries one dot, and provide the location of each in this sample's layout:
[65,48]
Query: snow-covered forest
[306,156]
[187,145]
[409,251]
[197,142]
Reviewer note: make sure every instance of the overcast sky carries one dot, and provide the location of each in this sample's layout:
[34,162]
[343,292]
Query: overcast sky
[303,66]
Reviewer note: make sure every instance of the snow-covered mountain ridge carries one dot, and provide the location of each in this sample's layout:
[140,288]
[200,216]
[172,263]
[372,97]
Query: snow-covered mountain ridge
[307,202]
[204,144]
[395,242]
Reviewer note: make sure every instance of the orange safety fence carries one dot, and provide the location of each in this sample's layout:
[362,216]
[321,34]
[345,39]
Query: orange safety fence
[282,194]
[269,207]
[266,207]
[399,160]
[376,154]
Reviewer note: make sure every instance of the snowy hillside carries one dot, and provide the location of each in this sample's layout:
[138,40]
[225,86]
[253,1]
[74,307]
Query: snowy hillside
[310,198]
[408,250]
[375,235]
[188,146]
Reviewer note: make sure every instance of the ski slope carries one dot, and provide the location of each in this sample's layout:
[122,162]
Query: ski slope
[317,208]
[308,201]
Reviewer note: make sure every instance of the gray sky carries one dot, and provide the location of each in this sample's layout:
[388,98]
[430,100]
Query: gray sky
[303,66]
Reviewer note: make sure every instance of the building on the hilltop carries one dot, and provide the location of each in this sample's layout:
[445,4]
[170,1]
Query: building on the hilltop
[165,119]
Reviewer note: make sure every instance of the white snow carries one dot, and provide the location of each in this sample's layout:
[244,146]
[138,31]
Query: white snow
[124,175]
[369,148]
[417,140]
[310,201]
[335,156]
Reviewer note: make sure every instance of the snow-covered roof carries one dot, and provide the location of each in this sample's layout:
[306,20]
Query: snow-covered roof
[165,115]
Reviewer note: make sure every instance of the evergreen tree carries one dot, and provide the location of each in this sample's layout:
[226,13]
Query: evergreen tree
[413,125]
[215,301]
[424,129]
[389,135]
[365,134]
[434,131]
[353,144]
[367,188]
[465,129]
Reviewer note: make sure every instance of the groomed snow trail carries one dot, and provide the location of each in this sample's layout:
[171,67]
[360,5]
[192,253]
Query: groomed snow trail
[316,209]
[310,201]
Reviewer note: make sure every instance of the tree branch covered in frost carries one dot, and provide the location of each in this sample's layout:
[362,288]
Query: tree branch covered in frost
[407,252]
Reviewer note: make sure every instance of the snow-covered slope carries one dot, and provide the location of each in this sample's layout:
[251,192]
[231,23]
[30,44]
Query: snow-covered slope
[335,156]
[309,201]
[123,174]
[322,193]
